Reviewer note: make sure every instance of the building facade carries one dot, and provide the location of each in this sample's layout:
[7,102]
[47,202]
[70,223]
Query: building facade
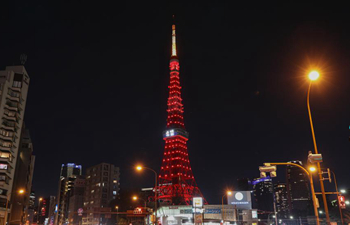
[263,196]
[69,172]
[298,190]
[76,201]
[281,197]
[14,83]
[101,187]
[23,180]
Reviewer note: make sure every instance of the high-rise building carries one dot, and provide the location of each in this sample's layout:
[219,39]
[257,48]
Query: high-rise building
[263,195]
[101,187]
[31,207]
[281,198]
[176,181]
[23,179]
[69,172]
[299,199]
[51,210]
[14,83]
[76,201]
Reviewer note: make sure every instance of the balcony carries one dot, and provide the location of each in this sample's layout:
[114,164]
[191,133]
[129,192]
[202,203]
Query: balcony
[11,107]
[12,98]
[6,138]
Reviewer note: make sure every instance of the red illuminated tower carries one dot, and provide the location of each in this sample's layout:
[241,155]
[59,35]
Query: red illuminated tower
[177,185]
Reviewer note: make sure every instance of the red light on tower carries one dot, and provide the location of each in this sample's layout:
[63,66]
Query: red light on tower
[341,201]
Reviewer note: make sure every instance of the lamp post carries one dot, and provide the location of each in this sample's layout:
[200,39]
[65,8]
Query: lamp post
[140,168]
[135,198]
[228,193]
[336,189]
[20,191]
[314,75]
[117,208]
[38,213]
[312,169]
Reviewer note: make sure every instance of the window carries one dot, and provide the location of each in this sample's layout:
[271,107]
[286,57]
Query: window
[3,166]
[2,178]
[105,173]
[92,191]
[98,184]
[17,84]
[105,179]
[6,144]
[115,181]
[105,167]
[114,192]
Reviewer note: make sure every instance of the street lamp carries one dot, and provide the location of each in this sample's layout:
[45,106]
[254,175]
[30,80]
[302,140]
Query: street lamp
[228,193]
[314,75]
[342,191]
[20,192]
[135,198]
[312,169]
[140,168]
[117,208]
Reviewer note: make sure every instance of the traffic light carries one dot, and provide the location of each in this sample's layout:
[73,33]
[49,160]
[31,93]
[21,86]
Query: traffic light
[341,201]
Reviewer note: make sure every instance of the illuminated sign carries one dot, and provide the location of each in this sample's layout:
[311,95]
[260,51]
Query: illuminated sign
[197,202]
[169,133]
[80,211]
[240,199]
[175,132]
[341,201]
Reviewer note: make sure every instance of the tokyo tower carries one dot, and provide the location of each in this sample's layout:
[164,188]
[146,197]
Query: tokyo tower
[177,185]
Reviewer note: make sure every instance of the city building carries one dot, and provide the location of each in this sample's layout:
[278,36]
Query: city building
[176,181]
[31,208]
[51,210]
[298,190]
[263,196]
[281,197]
[76,201]
[23,180]
[69,172]
[14,83]
[101,187]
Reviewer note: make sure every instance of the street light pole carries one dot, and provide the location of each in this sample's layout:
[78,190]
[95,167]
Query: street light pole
[155,189]
[316,152]
[336,189]
[222,205]
[117,208]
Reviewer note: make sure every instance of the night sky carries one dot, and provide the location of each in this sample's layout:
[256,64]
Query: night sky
[99,75]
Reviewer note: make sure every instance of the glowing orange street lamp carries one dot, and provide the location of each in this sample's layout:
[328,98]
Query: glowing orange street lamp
[140,168]
[314,75]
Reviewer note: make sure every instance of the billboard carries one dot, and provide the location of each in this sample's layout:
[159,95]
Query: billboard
[240,199]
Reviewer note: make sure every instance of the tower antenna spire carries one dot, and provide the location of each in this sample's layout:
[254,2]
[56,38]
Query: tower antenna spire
[173,48]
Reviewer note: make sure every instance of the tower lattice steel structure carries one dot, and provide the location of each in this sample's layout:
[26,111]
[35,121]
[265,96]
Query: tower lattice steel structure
[177,185]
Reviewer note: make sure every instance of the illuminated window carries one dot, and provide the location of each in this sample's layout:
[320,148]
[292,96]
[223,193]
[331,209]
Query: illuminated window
[115,181]
[92,191]
[3,166]
[98,184]
[114,192]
